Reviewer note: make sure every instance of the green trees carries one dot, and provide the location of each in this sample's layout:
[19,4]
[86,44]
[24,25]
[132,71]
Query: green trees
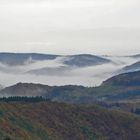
[7,138]
[23,99]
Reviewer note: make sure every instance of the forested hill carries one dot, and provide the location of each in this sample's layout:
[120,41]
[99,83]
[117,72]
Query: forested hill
[126,79]
[59,121]
[121,87]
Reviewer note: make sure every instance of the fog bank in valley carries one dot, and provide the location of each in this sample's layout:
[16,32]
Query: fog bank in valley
[55,72]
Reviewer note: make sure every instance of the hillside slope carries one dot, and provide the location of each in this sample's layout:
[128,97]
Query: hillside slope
[126,79]
[81,60]
[84,60]
[55,121]
[21,58]
[121,87]
[132,68]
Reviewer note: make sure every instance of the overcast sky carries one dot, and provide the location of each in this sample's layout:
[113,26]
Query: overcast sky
[70,26]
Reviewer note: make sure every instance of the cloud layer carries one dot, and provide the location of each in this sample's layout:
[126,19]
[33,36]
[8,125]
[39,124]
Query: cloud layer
[55,72]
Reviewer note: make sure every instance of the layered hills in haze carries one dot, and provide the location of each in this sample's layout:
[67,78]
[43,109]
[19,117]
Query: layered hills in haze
[122,87]
[80,69]
[72,60]
[37,111]
[133,67]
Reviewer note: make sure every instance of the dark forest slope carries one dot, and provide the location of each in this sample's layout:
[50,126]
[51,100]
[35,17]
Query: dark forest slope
[58,121]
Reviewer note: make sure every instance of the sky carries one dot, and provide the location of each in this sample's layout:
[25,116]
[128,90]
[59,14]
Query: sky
[106,27]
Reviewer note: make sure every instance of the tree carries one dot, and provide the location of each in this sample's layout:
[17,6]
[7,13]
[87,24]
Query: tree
[7,138]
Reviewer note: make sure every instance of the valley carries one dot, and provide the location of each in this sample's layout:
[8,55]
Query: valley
[59,70]
[30,110]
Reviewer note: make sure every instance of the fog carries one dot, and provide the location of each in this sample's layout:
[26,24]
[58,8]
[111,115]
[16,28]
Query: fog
[101,27]
[57,73]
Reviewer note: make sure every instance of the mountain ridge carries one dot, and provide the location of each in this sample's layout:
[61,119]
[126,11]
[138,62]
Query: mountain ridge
[132,68]
[121,87]
[21,58]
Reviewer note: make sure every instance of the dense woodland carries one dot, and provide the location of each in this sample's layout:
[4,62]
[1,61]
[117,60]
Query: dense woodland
[23,99]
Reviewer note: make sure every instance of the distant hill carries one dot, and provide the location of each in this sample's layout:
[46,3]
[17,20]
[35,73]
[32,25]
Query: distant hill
[25,89]
[126,79]
[80,69]
[82,60]
[58,121]
[70,63]
[85,60]
[62,70]
[132,68]
[51,92]
[22,58]
[136,56]
[121,87]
